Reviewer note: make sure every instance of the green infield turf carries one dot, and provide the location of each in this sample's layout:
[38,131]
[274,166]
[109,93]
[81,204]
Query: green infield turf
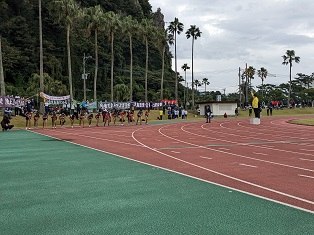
[54,187]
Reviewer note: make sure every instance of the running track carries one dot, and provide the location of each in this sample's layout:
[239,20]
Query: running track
[274,160]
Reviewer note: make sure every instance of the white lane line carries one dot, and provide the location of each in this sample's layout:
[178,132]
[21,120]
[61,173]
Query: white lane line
[307,176]
[224,149]
[241,164]
[265,154]
[267,146]
[304,159]
[174,152]
[206,157]
[308,150]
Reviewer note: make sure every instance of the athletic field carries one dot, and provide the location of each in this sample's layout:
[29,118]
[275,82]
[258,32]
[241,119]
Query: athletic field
[225,177]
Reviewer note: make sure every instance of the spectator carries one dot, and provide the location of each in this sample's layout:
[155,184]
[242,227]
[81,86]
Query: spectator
[5,123]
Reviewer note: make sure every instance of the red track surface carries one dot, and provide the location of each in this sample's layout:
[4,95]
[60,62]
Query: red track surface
[274,160]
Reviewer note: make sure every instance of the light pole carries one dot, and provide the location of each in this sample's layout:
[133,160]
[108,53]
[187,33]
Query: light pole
[84,75]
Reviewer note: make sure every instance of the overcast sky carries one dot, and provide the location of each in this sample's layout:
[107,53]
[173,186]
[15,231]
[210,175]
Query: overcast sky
[235,32]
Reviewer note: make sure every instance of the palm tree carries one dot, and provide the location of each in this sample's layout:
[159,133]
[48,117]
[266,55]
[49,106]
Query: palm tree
[197,84]
[163,38]
[67,11]
[95,21]
[262,73]
[175,27]
[130,27]
[205,82]
[113,24]
[193,32]
[185,67]
[41,60]
[2,84]
[288,58]
[146,29]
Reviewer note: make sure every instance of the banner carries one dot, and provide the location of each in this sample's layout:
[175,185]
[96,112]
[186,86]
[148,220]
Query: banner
[128,105]
[54,98]
[11,101]
[167,102]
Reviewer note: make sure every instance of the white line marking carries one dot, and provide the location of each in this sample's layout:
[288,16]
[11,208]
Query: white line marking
[307,176]
[241,164]
[308,150]
[206,157]
[261,153]
[224,149]
[267,146]
[222,174]
[304,159]
[174,152]
[180,173]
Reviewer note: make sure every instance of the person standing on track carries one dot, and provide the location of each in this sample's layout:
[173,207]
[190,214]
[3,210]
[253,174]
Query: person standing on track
[255,105]
[146,116]
[45,117]
[139,116]
[208,114]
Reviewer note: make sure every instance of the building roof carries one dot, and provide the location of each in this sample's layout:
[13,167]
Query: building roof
[216,102]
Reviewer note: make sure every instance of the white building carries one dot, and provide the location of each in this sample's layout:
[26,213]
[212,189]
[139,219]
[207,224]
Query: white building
[218,108]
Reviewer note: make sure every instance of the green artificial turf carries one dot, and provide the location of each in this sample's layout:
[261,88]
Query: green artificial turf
[53,187]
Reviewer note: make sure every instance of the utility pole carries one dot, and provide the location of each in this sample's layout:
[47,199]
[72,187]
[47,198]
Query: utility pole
[84,75]
[246,86]
[240,101]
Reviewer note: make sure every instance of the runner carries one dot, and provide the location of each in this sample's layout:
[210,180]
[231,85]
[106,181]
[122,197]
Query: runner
[139,116]
[107,117]
[97,116]
[36,118]
[146,116]
[72,118]
[45,117]
[62,119]
[82,118]
[54,120]
[90,118]
[28,118]
[122,117]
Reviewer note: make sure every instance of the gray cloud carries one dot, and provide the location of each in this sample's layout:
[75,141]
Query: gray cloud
[235,32]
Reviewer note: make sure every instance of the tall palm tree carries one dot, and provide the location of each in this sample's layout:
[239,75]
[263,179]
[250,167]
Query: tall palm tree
[288,58]
[163,39]
[2,84]
[262,73]
[67,11]
[95,21]
[113,24]
[185,67]
[205,82]
[130,28]
[250,72]
[193,32]
[197,84]
[146,29]
[41,60]
[175,27]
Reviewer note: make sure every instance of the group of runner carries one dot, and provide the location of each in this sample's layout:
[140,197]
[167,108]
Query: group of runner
[108,117]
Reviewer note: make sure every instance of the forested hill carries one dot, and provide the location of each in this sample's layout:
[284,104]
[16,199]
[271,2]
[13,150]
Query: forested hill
[19,28]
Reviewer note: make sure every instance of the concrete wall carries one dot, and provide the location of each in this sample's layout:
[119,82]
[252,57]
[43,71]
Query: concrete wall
[219,109]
